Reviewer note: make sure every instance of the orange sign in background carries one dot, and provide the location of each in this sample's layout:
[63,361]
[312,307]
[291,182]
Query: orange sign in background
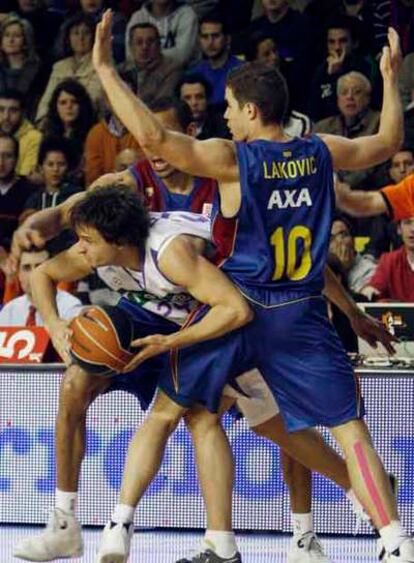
[23,345]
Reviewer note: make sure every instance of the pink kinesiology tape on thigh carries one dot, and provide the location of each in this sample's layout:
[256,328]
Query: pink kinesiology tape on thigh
[370,484]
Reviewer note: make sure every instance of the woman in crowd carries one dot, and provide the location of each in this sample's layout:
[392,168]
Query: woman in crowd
[77,36]
[20,67]
[70,115]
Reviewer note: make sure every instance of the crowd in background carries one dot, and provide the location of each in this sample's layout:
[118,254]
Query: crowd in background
[58,133]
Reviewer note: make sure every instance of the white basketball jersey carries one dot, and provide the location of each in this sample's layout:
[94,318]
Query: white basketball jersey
[148,287]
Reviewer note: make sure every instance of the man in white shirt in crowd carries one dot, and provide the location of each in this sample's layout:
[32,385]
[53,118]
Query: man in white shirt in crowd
[20,311]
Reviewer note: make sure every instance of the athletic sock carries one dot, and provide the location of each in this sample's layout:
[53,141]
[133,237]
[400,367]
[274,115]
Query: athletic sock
[356,505]
[302,523]
[393,535]
[222,543]
[67,502]
[123,514]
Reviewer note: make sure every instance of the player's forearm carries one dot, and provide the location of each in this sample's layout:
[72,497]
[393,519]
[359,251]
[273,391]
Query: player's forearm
[47,222]
[337,294]
[44,297]
[220,320]
[134,114]
[361,204]
[391,130]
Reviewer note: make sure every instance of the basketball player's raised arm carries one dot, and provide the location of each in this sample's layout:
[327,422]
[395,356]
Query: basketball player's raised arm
[362,152]
[213,158]
[43,225]
[359,203]
[183,264]
[363,325]
[66,266]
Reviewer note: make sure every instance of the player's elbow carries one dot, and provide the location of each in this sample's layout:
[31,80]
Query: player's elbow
[151,141]
[241,314]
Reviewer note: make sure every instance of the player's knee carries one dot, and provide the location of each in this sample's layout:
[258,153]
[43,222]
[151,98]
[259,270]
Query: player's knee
[201,421]
[165,422]
[75,390]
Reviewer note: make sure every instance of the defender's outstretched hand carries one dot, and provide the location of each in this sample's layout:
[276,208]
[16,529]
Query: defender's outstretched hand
[372,331]
[102,47]
[391,59]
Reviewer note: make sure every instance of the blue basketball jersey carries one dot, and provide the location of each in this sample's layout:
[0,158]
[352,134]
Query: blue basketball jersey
[283,226]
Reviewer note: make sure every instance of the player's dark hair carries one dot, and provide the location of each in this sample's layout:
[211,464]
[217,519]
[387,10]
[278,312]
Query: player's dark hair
[262,85]
[181,109]
[118,215]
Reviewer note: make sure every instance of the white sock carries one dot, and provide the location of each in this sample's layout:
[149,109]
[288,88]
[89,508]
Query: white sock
[393,535]
[123,514]
[222,543]
[302,523]
[66,501]
[356,505]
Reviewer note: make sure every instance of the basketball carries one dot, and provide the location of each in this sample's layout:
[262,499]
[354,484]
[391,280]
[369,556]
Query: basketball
[100,340]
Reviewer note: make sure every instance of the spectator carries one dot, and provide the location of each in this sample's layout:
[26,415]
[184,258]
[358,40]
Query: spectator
[21,311]
[20,67]
[125,159]
[177,25]
[104,141]
[218,60]
[296,37]
[13,122]
[45,23]
[195,91]
[355,119]
[393,279]
[94,9]
[383,232]
[78,40]
[342,57]
[70,115]
[262,48]
[149,72]
[55,162]
[356,268]
[14,190]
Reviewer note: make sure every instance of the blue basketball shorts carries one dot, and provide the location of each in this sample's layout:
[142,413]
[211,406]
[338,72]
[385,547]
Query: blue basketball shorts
[199,373]
[143,381]
[302,360]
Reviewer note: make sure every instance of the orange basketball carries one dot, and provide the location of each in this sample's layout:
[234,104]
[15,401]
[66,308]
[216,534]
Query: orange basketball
[100,341]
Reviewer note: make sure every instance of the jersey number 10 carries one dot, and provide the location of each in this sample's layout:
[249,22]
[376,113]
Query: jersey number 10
[287,262]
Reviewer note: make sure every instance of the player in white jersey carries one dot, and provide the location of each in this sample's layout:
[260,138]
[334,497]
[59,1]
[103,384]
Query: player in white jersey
[155,292]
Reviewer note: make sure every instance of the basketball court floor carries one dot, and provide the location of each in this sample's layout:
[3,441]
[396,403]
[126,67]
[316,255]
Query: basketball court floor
[167,547]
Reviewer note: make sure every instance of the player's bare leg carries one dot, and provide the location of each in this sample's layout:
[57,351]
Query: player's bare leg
[145,454]
[372,487]
[77,391]
[62,536]
[308,448]
[216,475]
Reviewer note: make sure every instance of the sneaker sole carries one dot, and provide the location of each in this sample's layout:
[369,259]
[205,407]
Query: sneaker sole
[75,555]
[114,558]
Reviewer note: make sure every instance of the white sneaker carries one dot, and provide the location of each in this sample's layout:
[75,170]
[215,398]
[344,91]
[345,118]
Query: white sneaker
[61,538]
[115,543]
[404,554]
[306,549]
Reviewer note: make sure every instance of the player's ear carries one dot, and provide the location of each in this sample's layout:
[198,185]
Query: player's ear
[252,110]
